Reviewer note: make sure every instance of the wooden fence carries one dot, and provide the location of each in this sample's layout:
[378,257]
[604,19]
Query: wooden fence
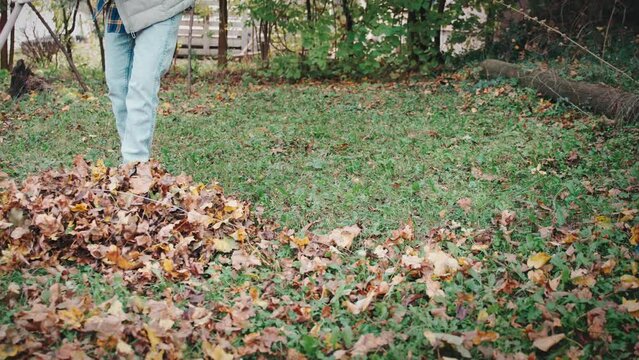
[205,38]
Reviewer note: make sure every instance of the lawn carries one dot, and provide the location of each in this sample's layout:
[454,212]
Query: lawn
[533,205]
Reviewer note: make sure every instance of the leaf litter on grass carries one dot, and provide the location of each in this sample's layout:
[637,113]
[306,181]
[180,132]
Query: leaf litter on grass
[169,240]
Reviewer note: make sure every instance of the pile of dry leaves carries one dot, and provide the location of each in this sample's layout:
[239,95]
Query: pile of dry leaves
[135,218]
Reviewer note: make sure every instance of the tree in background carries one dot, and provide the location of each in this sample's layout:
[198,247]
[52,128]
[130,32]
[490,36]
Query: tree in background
[222,49]
[98,32]
[65,15]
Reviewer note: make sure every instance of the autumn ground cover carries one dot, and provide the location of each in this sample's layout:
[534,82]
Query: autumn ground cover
[473,220]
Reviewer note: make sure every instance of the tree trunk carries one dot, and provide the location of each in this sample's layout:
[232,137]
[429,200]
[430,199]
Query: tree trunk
[348,15]
[189,73]
[222,50]
[98,32]
[4,52]
[489,28]
[74,69]
[599,98]
[265,44]
[441,7]
[309,13]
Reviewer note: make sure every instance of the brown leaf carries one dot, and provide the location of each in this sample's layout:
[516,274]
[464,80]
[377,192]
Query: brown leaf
[582,277]
[316,264]
[412,262]
[48,224]
[444,264]
[142,183]
[105,326]
[545,343]
[215,352]
[195,217]
[465,204]
[241,259]
[293,354]
[225,245]
[361,305]
[438,339]
[596,323]
[369,342]
[506,218]
[479,174]
[343,237]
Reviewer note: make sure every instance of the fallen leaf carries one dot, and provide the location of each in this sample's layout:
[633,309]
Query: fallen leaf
[538,260]
[71,318]
[482,336]
[343,237]
[9,350]
[582,277]
[140,184]
[444,264]
[538,277]
[546,232]
[629,282]
[596,323]
[380,251]
[225,245]
[124,348]
[545,343]
[80,207]
[195,217]
[98,171]
[412,261]
[369,342]
[608,266]
[114,257]
[465,204]
[300,242]
[506,218]
[154,340]
[239,235]
[361,305]
[240,259]
[438,339]
[48,224]
[569,238]
[631,307]
[634,235]
[293,354]
[215,352]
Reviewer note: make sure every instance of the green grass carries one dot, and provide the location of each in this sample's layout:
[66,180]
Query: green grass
[380,155]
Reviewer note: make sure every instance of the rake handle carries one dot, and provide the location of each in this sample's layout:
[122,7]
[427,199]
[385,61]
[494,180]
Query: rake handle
[11,21]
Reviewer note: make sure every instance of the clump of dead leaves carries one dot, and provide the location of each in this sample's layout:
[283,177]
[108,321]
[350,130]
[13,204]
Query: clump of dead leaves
[135,218]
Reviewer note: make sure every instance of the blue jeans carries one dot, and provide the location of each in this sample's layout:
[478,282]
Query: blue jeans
[134,66]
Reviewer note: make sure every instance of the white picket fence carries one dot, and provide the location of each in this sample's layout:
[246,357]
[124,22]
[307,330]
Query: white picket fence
[205,38]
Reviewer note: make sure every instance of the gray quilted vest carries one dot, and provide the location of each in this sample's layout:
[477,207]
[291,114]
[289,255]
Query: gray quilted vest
[139,14]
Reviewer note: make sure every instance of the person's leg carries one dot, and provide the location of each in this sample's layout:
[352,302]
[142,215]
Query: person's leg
[152,56]
[118,61]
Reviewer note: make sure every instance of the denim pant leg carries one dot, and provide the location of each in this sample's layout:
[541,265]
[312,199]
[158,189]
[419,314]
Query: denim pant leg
[118,61]
[152,55]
